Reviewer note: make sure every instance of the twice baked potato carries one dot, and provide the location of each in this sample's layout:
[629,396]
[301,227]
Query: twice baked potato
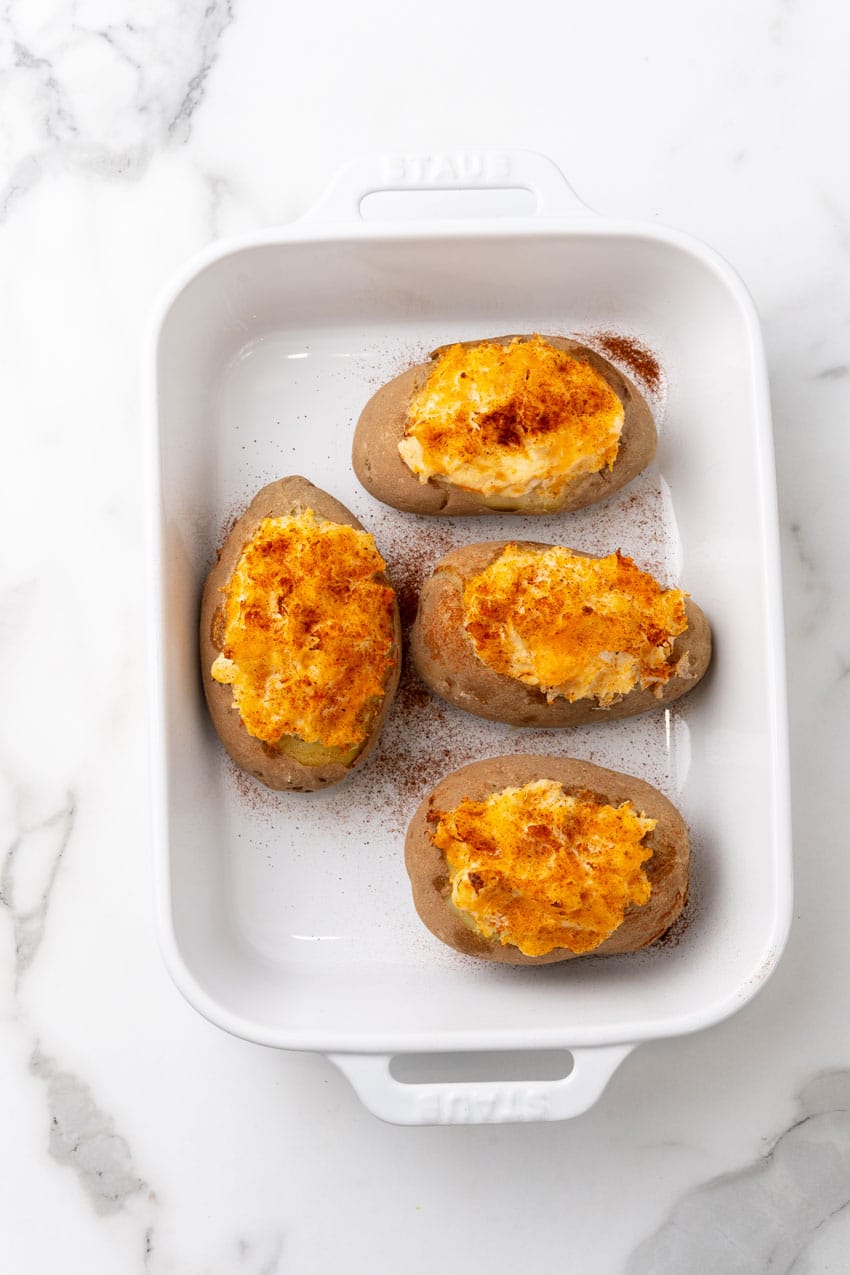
[300,639]
[541,635]
[529,860]
[513,424]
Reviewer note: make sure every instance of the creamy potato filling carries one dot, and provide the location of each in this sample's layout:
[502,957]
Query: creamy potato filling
[575,627]
[308,636]
[539,868]
[512,421]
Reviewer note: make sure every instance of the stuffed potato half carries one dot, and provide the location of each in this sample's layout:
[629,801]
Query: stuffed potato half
[300,640]
[512,424]
[541,635]
[528,860]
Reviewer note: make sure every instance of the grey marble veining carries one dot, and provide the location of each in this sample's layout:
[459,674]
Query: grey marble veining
[35,854]
[765,1216]
[83,1137]
[97,96]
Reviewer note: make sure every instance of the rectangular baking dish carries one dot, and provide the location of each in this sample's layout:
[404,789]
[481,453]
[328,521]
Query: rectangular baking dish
[286,918]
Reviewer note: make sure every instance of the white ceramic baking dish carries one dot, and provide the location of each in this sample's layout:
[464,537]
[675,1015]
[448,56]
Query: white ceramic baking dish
[286,919]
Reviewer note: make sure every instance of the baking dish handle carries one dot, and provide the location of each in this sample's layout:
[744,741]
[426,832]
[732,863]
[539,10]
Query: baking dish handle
[480,1102]
[498,172]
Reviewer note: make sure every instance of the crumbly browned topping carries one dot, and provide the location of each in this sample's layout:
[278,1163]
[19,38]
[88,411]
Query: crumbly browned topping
[541,868]
[309,634]
[574,626]
[505,419]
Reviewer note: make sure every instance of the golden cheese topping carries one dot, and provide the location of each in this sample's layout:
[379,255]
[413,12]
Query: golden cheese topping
[541,869]
[308,634]
[581,628]
[510,421]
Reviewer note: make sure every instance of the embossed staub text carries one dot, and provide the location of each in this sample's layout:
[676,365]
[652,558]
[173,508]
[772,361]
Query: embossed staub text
[454,1106]
[451,168]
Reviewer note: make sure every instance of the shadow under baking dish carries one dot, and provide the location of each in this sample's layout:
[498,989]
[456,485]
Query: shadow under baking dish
[289,915]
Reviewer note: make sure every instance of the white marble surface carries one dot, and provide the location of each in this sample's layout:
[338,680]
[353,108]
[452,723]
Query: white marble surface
[136,1137]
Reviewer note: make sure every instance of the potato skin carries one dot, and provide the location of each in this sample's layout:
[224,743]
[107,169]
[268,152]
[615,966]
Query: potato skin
[667,869]
[385,476]
[276,770]
[445,658]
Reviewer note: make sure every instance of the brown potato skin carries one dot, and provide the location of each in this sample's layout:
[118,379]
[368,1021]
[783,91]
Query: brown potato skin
[286,496]
[667,869]
[445,658]
[385,476]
